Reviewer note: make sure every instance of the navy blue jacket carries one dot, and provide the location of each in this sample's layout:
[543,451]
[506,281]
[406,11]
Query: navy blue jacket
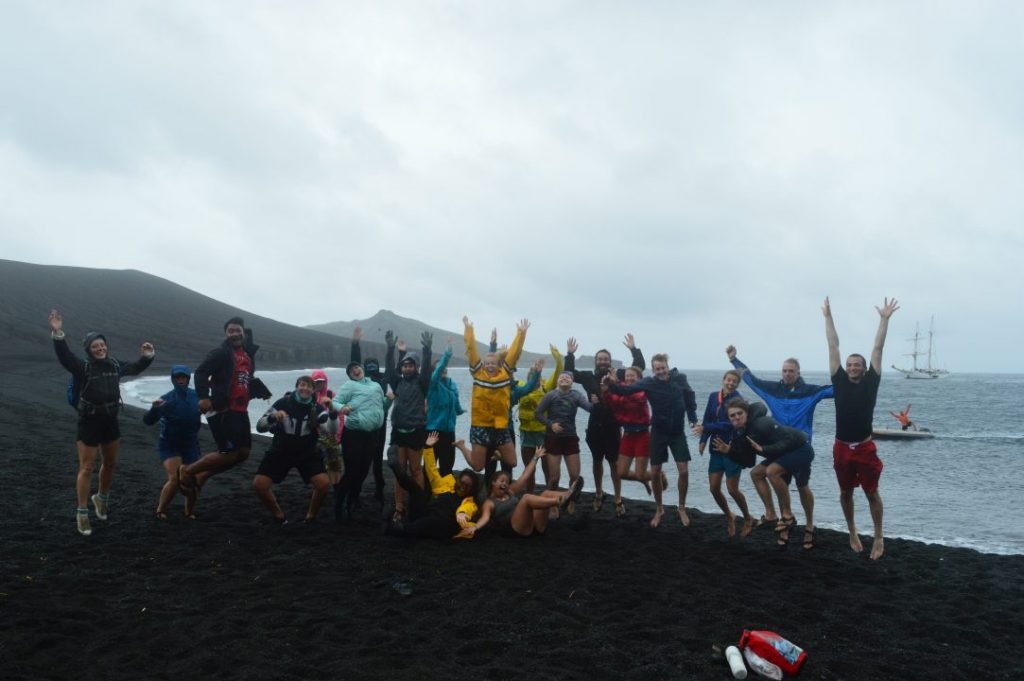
[791,405]
[179,413]
[671,401]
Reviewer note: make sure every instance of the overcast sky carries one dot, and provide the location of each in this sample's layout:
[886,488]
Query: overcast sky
[697,173]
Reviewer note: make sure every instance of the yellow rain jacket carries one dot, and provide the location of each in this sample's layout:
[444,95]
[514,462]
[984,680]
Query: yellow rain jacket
[492,395]
[528,423]
[445,484]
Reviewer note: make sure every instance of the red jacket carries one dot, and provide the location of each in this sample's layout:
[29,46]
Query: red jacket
[629,410]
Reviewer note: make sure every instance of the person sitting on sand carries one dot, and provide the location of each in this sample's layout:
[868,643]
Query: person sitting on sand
[225,381]
[441,510]
[178,414]
[410,385]
[634,415]
[96,387]
[672,402]
[296,421]
[716,422]
[492,394]
[904,418]
[557,411]
[514,514]
[787,454]
[854,453]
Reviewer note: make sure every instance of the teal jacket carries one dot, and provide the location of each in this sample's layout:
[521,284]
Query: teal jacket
[366,399]
[443,404]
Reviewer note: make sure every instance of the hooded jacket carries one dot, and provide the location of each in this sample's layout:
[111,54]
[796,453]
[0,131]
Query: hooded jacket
[492,395]
[775,439]
[601,418]
[99,380]
[443,405]
[366,399]
[716,416]
[298,432]
[672,401]
[791,405]
[179,414]
[410,391]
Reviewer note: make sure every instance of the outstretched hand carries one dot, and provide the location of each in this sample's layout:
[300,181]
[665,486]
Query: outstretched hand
[433,438]
[571,346]
[730,352]
[465,322]
[538,365]
[389,337]
[757,448]
[719,446]
[523,324]
[826,309]
[357,334]
[55,321]
[888,307]
[629,342]
[400,345]
[426,339]
[147,349]
[494,336]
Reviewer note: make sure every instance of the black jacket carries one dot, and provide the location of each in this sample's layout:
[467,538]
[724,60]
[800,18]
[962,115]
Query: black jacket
[213,375]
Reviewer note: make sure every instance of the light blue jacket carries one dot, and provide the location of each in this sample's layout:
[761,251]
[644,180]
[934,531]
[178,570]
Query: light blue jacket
[366,399]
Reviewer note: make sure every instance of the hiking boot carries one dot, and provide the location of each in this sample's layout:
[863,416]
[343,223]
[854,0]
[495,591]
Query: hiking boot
[84,526]
[100,505]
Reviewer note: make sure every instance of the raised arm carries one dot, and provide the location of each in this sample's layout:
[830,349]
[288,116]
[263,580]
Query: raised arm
[638,357]
[442,364]
[355,352]
[884,312]
[551,382]
[390,370]
[516,349]
[834,362]
[472,356]
[519,485]
[426,343]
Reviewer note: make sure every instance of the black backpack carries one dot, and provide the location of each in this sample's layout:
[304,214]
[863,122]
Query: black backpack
[75,390]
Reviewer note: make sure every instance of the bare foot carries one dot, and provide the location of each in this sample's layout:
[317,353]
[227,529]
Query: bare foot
[877,548]
[748,526]
[656,520]
[647,486]
[683,518]
[855,543]
[732,525]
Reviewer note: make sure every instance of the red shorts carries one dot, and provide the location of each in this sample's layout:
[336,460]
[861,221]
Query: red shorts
[857,465]
[635,445]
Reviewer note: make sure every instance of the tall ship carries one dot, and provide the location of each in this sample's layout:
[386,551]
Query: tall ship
[927,371]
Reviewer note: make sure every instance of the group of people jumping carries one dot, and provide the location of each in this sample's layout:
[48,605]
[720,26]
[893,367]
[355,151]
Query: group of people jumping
[635,422]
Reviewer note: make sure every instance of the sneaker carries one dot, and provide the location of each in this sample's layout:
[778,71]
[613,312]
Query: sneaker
[100,506]
[84,526]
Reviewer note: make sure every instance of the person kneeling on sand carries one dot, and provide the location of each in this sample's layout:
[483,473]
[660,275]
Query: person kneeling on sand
[513,515]
[787,455]
[178,414]
[442,510]
[296,421]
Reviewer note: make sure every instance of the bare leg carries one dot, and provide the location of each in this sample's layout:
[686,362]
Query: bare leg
[170,487]
[597,467]
[527,456]
[733,485]
[684,484]
[86,465]
[616,483]
[572,467]
[878,543]
[108,464]
[262,485]
[758,476]
[659,510]
[715,486]
[807,502]
[776,476]
[846,501]
[554,471]
[524,518]
[507,452]
[321,485]
[477,457]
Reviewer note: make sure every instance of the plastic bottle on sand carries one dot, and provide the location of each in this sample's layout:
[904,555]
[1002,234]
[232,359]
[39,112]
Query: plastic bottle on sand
[762,666]
[739,670]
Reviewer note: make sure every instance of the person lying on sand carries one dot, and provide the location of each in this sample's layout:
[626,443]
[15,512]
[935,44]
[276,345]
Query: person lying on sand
[514,514]
[442,509]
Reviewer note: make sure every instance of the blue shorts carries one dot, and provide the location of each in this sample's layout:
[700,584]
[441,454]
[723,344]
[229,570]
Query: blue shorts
[797,464]
[720,463]
[188,451]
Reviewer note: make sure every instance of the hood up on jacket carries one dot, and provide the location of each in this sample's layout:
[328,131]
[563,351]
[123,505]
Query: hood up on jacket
[320,375]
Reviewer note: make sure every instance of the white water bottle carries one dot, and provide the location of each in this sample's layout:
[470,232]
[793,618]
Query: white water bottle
[739,670]
[761,666]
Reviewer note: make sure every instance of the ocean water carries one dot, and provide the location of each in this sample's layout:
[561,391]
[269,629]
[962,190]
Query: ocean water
[961,488]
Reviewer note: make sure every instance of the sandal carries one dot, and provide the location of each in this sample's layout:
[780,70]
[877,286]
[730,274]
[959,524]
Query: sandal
[160,515]
[571,495]
[598,501]
[783,539]
[785,523]
[808,538]
[765,520]
[620,509]
[396,517]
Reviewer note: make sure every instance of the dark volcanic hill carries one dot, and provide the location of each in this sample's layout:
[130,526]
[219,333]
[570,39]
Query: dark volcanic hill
[130,307]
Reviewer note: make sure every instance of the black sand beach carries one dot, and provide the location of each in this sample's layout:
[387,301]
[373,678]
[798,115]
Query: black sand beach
[231,596]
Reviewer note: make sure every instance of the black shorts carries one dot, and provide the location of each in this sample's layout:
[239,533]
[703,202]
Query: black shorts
[98,429]
[231,430]
[276,464]
[414,439]
[562,445]
[604,444]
